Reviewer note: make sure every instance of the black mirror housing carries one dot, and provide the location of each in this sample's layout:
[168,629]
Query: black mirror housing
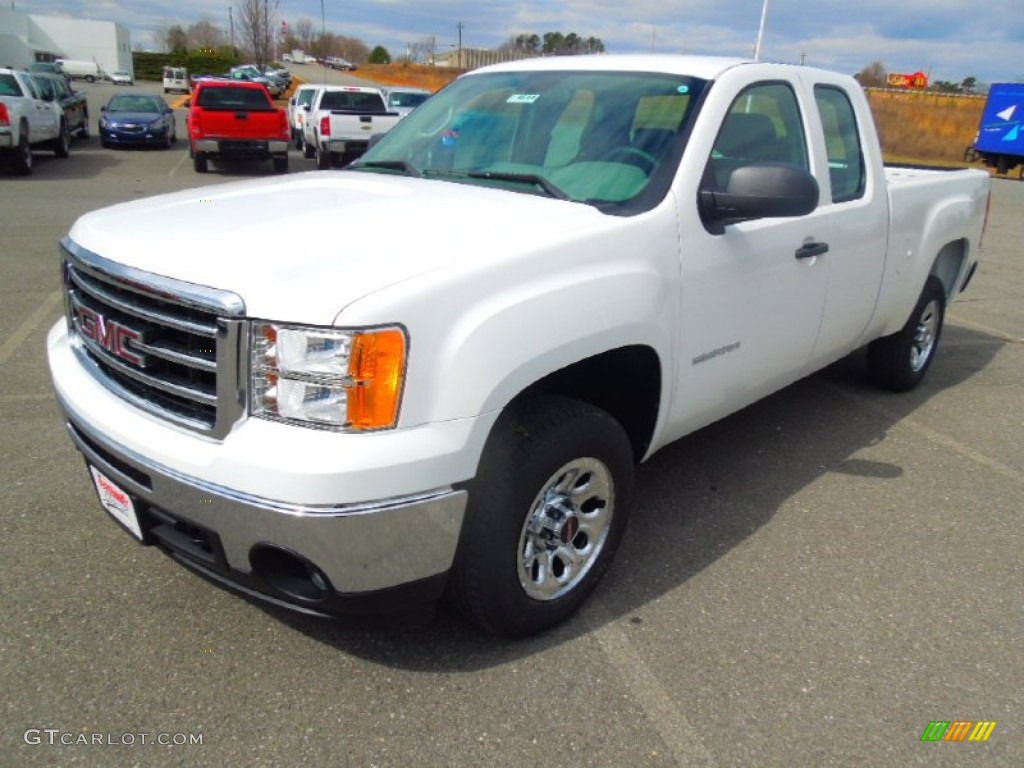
[760,191]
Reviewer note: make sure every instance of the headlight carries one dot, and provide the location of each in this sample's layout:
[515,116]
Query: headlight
[326,377]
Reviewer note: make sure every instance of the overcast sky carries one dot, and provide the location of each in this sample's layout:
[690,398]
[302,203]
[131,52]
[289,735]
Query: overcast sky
[949,39]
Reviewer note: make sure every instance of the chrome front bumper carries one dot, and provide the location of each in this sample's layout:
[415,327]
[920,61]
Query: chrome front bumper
[356,558]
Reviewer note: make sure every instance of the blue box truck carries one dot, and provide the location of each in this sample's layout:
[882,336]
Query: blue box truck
[999,142]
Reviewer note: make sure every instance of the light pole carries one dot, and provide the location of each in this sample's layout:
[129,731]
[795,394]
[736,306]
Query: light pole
[760,31]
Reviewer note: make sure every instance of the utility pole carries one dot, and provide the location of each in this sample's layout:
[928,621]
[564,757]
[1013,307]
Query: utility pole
[231,27]
[460,26]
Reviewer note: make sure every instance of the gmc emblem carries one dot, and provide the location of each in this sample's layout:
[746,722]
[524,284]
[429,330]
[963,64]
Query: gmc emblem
[109,334]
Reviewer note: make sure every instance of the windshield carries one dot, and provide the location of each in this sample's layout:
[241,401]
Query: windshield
[595,137]
[406,99]
[134,104]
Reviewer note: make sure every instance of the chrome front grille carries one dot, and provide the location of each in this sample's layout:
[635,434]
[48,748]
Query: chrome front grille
[169,347]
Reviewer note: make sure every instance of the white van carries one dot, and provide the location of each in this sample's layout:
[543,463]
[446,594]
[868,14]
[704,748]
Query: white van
[176,79]
[81,70]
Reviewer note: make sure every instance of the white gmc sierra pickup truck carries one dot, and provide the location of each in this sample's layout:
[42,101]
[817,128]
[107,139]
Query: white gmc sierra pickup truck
[30,116]
[586,259]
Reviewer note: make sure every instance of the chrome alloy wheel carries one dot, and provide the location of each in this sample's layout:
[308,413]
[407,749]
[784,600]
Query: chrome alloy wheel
[566,529]
[924,336]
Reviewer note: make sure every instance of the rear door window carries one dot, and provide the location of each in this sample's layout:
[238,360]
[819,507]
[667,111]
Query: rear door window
[842,144]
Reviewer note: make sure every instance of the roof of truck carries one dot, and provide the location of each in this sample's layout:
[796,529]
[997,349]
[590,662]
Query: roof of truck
[705,67]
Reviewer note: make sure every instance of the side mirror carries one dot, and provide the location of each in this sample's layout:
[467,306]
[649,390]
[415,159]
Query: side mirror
[759,191]
[103,108]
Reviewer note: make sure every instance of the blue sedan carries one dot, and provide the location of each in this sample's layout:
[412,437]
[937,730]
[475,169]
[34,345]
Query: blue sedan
[137,119]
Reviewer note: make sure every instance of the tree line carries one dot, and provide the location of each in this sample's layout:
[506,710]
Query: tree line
[258,32]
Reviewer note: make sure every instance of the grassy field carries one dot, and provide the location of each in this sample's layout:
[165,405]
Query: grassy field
[915,127]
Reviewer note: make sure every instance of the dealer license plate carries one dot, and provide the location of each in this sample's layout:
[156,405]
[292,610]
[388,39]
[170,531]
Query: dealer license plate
[116,502]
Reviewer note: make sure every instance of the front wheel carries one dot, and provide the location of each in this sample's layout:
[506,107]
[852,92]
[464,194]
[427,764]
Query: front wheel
[546,513]
[899,362]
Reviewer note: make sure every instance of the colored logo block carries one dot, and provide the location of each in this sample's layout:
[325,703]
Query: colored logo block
[958,730]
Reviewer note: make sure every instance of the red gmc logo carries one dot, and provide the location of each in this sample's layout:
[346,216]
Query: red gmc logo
[109,334]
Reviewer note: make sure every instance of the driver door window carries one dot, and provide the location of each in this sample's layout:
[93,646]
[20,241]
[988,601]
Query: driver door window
[762,125]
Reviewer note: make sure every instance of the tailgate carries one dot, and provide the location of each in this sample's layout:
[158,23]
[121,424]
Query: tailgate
[240,124]
[348,125]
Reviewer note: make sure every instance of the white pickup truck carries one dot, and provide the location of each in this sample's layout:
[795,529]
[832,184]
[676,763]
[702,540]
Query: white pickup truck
[30,117]
[340,121]
[596,256]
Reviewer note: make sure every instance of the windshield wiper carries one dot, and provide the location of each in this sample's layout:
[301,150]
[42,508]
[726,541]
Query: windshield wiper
[395,165]
[526,178]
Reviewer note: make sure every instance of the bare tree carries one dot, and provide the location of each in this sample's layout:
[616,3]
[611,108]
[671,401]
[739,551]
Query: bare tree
[873,76]
[423,51]
[258,26]
[352,49]
[205,35]
[177,39]
[305,33]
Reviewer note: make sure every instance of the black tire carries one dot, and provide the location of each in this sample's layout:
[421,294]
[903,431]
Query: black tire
[62,144]
[323,159]
[299,145]
[1003,165]
[83,129]
[199,162]
[900,361]
[523,564]
[21,158]
[90,79]
[308,150]
[280,164]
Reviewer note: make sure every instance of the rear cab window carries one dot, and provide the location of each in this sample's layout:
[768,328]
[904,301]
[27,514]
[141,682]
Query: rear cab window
[846,168]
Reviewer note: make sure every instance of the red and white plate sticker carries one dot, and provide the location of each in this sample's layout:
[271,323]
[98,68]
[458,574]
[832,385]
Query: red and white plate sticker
[116,502]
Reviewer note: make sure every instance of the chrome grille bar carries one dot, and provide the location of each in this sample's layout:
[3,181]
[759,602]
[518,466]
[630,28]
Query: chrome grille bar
[169,347]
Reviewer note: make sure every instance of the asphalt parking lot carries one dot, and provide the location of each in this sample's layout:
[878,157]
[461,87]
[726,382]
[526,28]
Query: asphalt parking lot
[811,581]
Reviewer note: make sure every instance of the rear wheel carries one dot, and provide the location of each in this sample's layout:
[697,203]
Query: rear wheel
[281,164]
[199,161]
[546,513]
[900,361]
[323,159]
[22,157]
[62,144]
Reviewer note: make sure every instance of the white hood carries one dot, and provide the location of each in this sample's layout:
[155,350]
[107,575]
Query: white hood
[301,247]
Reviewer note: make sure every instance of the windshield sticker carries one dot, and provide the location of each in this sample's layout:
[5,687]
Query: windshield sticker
[683,89]
[522,98]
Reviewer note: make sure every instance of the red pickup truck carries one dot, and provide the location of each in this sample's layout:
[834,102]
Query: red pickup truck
[236,119]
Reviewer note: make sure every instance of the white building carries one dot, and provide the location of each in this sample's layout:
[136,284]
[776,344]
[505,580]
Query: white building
[29,37]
